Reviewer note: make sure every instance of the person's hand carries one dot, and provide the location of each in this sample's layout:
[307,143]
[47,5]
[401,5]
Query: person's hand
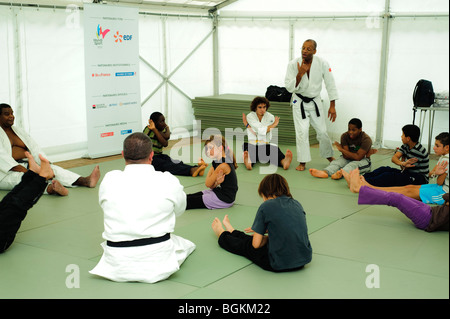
[338,146]
[275,122]
[305,67]
[244,119]
[249,230]
[44,170]
[151,125]
[441,168]
[332,113]
[410,163]
[220,177]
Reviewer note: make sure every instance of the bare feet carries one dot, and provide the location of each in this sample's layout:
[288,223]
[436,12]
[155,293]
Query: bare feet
[247,162]
[91,180]
[201,162]
[56,188]
[217,227]
[346,177]
[198,171]
[286,162]
[317,173]
[355,181]
[337,175]
[371,152]
[227,224]
[301,167]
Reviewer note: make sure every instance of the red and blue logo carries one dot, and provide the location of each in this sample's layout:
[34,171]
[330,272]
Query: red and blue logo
[101,33]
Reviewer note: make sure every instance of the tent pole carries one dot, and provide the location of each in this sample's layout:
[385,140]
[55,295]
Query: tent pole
[383,75]
[215,20]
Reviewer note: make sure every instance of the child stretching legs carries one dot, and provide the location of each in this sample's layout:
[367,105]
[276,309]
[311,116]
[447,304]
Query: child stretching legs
[427,193]
[422,215]
[283,219]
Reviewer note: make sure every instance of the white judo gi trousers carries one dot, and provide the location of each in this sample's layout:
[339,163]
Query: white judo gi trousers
[65,177]
[302,129]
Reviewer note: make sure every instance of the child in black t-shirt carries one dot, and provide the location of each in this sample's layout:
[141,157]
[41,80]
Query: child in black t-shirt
[284,221]
[221,179]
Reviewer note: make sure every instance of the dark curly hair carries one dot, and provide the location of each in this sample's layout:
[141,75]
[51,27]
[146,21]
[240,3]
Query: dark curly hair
[257,101]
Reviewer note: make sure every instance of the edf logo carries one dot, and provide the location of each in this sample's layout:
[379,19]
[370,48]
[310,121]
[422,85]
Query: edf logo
[119,37]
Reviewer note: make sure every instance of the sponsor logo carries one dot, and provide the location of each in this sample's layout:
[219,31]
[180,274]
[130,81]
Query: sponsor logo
[107,134]
[119,38]
[101,33]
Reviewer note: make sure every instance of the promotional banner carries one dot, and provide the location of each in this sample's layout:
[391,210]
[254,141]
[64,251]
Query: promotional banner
[112,77]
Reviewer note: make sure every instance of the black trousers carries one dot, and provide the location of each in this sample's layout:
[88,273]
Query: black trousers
[164,163]
[264,153]
[386,176]
[15,205]
[240,244]
[195,201]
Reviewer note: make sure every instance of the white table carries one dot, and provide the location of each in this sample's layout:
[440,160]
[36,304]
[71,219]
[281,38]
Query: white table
[423,115]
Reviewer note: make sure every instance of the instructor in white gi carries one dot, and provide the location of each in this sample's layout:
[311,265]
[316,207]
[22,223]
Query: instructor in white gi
[140,206]
[304,78]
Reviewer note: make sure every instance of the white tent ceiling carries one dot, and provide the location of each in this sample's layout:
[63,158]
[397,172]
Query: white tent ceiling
[166,5]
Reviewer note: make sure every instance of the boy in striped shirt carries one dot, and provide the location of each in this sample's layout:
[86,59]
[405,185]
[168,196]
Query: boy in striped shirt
[412,159]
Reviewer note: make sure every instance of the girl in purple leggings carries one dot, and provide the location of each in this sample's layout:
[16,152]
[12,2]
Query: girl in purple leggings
[422,215]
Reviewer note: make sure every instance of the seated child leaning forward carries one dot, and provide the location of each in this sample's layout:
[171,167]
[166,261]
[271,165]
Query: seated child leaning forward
[159,134]
[427,193]
[260,123]
[221,179]
[355,147]
[286,246]
[422,215]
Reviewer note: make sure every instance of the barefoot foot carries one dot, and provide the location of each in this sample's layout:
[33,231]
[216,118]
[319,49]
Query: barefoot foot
[317,173]
[337,175]
[217,227]
[91,180]
[56,188]
[346,177]
[301,167]
[286,162]
[355,181]
[199,171]
[247,162]
[227,224]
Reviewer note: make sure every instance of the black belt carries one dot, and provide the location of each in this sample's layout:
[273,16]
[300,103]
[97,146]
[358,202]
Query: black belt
[139,242]
[307,100]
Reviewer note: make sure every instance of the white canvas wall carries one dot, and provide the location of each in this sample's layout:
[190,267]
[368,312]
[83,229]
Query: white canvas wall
[46,87]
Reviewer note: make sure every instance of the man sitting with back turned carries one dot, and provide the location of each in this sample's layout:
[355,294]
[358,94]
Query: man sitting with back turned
[140,207]
[14,142]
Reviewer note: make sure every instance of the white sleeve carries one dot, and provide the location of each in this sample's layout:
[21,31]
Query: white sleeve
[291,77]
[329,81]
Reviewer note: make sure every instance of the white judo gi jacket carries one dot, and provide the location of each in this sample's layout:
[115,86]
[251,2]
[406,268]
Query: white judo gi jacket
[138,203]
[260,128]
[310,87]
[9,179]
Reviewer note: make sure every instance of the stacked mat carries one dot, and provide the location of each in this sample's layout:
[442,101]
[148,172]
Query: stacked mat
[224,112]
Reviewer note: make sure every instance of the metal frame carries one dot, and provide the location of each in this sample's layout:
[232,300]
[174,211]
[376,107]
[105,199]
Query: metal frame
[386,17]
